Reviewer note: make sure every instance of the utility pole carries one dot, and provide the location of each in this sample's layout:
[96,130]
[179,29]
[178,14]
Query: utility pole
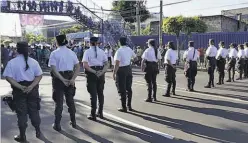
[138,17]
[161,23]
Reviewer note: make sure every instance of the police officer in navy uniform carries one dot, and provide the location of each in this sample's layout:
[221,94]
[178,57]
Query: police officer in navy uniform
[221,62]
[232,58]
[64,70]
[241,61]
[150,65]
[170,60]
[122,74]
[95,63]
[210,55]
[246,60]
[190,57]
[24,75]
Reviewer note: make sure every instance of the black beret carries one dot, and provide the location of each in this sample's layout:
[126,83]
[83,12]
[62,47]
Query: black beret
[93,39]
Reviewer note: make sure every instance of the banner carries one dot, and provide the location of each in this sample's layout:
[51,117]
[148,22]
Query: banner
[31,19]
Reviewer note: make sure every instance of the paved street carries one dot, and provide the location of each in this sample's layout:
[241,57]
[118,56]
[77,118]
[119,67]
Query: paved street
[218,115]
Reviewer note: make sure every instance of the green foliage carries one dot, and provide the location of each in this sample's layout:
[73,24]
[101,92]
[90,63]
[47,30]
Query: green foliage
[127,10]
[187,25]
[144,31]
[32,38]
[73,29]
[180,24]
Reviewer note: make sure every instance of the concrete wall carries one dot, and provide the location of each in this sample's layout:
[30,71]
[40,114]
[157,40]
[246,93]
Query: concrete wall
[221,23]
[213,23]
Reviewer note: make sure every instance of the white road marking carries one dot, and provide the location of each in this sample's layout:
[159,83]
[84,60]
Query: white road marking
[131,123]
[203,94]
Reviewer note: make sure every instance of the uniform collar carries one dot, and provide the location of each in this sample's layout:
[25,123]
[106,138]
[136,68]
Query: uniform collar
[191,48]
[62,47]
[123,46]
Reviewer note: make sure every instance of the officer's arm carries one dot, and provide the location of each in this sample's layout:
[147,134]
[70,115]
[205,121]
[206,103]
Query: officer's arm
[14,83]
[56,73]
[117,58]
[76,69]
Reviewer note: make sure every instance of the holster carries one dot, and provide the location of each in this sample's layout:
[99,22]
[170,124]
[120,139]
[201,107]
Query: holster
[9,100]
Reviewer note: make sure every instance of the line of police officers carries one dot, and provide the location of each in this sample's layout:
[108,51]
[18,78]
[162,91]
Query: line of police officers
[24,75]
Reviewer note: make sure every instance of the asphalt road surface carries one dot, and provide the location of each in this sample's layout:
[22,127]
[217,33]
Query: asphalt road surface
[217,115]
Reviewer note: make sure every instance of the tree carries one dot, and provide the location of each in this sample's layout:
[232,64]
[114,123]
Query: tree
[73,29]
[187,25]
[32,38]
[127,10]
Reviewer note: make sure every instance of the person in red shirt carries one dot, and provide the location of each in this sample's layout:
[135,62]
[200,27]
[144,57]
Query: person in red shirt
[201,55]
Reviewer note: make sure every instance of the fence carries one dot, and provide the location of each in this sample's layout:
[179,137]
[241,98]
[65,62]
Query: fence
[201,40]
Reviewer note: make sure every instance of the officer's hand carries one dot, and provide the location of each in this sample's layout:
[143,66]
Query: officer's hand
[28,89]
[66,82]
[72,82]
[22,88]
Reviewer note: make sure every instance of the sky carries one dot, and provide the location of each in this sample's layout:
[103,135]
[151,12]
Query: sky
[10,24]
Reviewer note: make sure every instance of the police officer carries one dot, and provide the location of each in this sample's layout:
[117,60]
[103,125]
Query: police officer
[190,57]
[241,61]
[123,74]
[150,65]
[210,55]
[221,62]
[24,75]
[170,60]
[231,62]
[246,60]
[95,63]
[64,70]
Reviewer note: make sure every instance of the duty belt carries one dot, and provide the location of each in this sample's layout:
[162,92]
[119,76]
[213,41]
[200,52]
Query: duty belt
[97,67]
[65,72]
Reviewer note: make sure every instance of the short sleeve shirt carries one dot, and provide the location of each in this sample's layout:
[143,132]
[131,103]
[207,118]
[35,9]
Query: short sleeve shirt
[170,55]
[16,69]
[63,59]
[149,55]
[124,54]
[94,59]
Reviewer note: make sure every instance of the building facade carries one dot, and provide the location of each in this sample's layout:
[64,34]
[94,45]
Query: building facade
[221,23]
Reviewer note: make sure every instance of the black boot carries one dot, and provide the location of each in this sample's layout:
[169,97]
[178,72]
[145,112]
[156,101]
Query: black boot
[22,136]
[100,113]
[123,104]
[57,127]
[129,102]
[92,117]
[167,94]
[38,132]
[73,121]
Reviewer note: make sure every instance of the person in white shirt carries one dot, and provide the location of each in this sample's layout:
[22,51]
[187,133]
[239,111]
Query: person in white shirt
[190,57]
[108,52]
[122,74]
[241,61]
[221,62]
[170,60]
[231,62]
[246,60]
[150,65]
[64,70]
[24,74]
[96,64]
[211,54]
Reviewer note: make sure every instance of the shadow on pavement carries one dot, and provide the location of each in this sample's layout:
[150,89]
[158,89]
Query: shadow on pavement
[202,131]
[212,102]
[140,133]
[73,137]
[235,116]
[232,89]
[225,95]
[237,85]
[93,136]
